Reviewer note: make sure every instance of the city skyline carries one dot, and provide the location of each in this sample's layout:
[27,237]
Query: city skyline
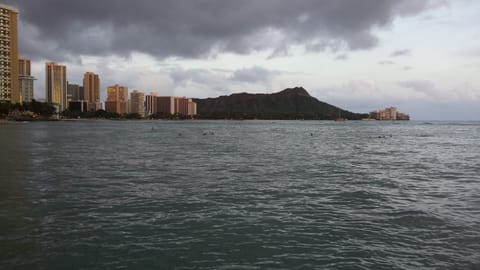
[356,56]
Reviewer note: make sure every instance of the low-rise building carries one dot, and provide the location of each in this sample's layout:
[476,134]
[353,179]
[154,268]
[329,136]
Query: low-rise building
[77,106]
[169,105]
[388,114]
[177,105]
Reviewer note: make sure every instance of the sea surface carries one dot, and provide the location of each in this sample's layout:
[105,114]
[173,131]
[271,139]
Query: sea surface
[239,195]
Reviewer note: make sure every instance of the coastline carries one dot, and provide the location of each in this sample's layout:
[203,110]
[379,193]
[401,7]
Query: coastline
[23,120]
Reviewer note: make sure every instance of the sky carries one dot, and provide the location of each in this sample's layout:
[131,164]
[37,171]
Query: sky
[422,56]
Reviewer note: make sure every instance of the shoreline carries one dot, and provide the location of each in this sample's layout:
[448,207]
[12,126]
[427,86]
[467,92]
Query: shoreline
[4,121]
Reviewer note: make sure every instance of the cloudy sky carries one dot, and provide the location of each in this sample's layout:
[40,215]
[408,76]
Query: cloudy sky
[422,56]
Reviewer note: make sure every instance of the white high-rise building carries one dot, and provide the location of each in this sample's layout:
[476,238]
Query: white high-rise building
[26,80]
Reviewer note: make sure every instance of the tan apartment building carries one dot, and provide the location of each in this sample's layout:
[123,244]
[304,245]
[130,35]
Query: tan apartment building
[117,99]
[192,108]
[389,114]
[151,103]
[56,85]
[166,105]
[185,106]
[181,106]
[25,80]
[137,103]
[9,76]
[91,90]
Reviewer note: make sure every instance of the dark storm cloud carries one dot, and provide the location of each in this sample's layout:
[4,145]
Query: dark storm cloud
[199,28]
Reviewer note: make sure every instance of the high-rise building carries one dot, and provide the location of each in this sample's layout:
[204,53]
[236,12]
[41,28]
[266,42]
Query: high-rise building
[25,79]
[117,99]
[181,105]
[74,92]
[91,88]
[192,108]
[56,85]
[137,102]
[151,104]
[166,105]
[9,80]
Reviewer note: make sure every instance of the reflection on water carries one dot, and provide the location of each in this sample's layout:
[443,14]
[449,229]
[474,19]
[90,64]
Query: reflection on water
[239,194]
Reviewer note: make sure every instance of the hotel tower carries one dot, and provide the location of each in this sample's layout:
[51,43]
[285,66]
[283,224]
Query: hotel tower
[137,103]
[91,88]
[9,83]
[25,79]
[56,85]
[117,99]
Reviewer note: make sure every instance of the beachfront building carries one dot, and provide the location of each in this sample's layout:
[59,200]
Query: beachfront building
[77,106]
[91,88]
[166,105]
[117,99]
[403,116]
[388,114]
[176,105]
[56,85]
[185,106]
[151,103]
[9,75]
[74,92]
[25,80]
[192,108]
[137,103]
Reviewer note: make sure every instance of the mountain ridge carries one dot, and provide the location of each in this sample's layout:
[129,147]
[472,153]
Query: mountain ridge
[290,103]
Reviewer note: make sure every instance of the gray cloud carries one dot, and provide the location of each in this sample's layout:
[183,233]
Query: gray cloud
[422,86]
[399,53]
[192,28]
[222,80]
[471,52]
[386,63]
[183,77]
[341,57]
[254,75]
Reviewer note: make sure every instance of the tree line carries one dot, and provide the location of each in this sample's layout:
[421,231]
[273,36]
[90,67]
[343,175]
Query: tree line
[41,109]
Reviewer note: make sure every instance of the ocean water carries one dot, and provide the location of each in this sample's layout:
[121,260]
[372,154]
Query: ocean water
[239,195]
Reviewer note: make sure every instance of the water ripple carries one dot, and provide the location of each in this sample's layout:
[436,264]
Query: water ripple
[240,195]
